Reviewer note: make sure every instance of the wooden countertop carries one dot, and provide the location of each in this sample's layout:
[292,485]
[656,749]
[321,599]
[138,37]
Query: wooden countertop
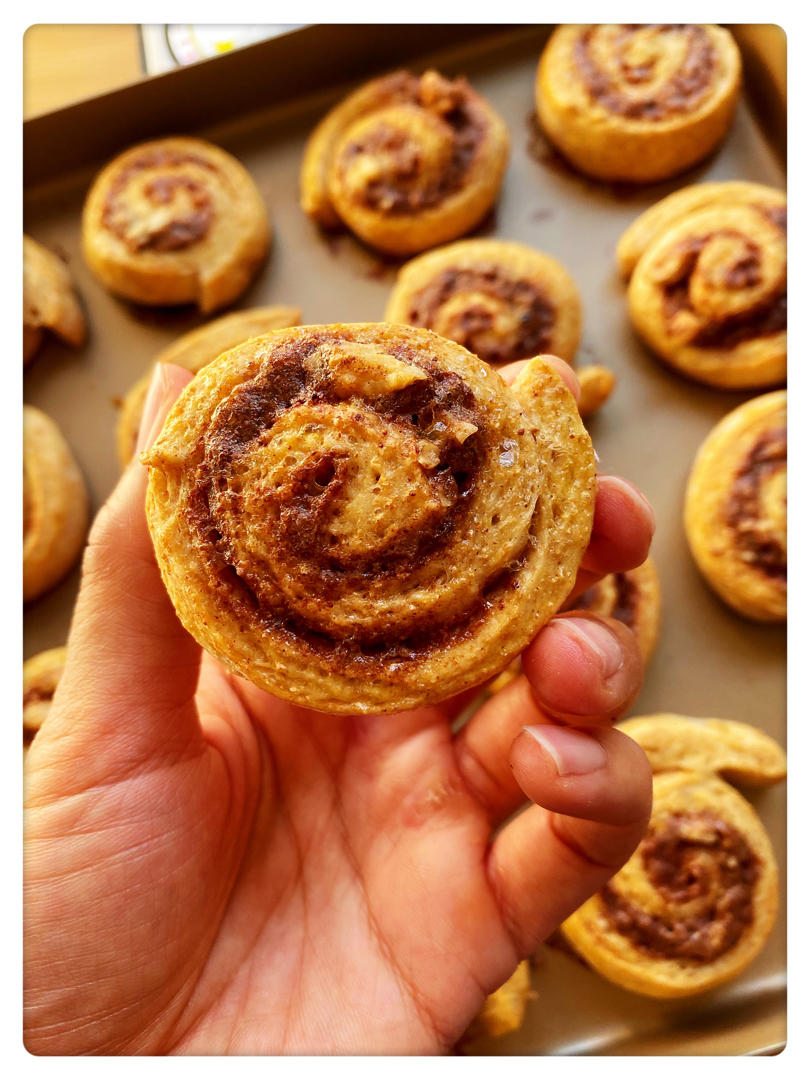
[63,64]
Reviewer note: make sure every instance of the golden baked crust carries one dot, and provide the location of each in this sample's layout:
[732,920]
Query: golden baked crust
[655,221]
[49,300]
[738,752]
[406,162]
[502,301]
[696,901]
[175,221]
[193,351]
[596,384]
[735,510]
[708,290]
[637,103]
[504,1009]
[55,504]
[41,675]
[365,518]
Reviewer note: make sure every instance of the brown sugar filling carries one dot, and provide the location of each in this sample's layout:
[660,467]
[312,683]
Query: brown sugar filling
[182,230]
[767,456]
[403,189]
[305,498]
[683,92]
[696,859]
[537,315]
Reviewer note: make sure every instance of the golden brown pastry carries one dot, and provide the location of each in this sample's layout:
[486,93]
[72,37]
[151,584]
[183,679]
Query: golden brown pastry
[41,675]
[175,221]
[637,103]
[55,504]
[502,301]
[697,900]
[406,162]
[504,1009]
[735,511]
[49,300]
[193,351]
[365,518]
[596,385]
[708,285]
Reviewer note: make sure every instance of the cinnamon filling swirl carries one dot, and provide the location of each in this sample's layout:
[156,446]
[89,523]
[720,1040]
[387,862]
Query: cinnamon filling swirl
[425,140]
[700,863]
[636,60]
[744,510]
[151,209]
[477,325]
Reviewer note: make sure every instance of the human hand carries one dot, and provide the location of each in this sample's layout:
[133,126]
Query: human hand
[209,869]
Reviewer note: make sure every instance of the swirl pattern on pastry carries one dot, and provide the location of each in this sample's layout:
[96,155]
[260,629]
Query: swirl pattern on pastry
[175,221]
[697,900]
[365,518]
[735,510]
[502,301]
[406,162]
[637,103]
[41,675]
[708,293]
[193,351]
[55,504]
[49,300]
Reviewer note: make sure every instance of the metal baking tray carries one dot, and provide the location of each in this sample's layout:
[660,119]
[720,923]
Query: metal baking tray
[261,103]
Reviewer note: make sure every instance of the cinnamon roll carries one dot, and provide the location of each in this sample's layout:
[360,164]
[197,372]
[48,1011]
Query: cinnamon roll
[637,103]
[502,301]
[49,300]
[41,675]
[697,900]
[55,504]
[193,351]
[735,511]
[406,162]
[365,518]
[708,290]
[175,221]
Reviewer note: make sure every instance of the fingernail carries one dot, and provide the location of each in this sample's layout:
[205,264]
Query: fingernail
[573,752]
[596,639]
[636,495]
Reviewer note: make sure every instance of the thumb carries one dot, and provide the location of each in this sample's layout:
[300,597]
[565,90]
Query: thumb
[131,670]
[593,792]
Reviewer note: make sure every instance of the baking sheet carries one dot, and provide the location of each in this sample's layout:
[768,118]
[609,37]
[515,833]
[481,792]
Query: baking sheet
[709,662]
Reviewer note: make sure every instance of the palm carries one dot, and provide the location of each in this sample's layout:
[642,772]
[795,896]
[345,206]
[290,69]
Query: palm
[323,875]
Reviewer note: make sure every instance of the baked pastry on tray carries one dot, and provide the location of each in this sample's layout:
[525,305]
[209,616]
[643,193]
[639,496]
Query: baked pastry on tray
[406,162]
[49,300]
[501,300]
[637,103]
[41,675]
[696,902]
[708,282]
[364,518]
[55,504]
[175,221]
[193,351]
[735,511]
